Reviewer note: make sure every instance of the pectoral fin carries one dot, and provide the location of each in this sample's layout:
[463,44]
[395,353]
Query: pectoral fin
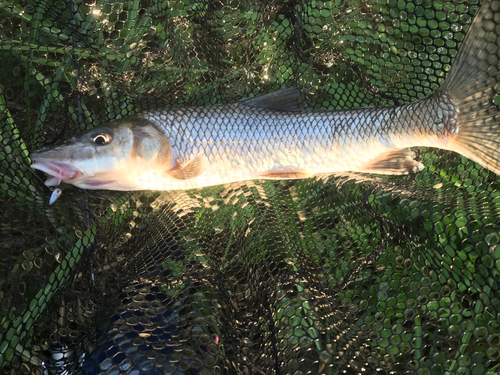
[394,162]
[192,169]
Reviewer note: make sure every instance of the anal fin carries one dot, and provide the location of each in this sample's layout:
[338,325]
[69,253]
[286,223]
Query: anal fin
[395,162]
[192,169]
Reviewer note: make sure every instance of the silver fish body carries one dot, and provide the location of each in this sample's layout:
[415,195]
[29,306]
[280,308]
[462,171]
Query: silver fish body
[240,143]
[270,137]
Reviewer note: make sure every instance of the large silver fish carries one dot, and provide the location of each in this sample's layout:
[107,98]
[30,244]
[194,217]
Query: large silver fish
[269,137]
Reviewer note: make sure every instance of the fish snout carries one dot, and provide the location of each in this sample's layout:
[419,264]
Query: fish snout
[57,172]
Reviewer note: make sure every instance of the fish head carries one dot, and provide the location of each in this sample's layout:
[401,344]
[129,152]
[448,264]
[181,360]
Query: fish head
[107,157]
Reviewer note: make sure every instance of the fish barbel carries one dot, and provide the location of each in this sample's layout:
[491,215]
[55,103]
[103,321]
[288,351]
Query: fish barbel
[271,138]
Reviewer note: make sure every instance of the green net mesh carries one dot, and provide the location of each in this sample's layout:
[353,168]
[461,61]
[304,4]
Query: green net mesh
[334,274]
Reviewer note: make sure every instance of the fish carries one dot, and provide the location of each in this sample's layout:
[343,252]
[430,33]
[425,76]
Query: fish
[274,137]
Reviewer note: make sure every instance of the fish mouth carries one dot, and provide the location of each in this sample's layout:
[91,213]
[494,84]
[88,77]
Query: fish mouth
[57,172]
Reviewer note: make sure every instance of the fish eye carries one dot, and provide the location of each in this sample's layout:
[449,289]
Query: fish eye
[101,139]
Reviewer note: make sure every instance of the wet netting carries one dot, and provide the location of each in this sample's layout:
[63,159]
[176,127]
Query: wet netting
[336,274]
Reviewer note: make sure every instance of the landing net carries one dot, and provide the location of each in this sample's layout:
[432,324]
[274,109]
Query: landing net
[334,274]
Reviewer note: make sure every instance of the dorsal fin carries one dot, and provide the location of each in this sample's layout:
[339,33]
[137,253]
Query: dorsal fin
[284,100]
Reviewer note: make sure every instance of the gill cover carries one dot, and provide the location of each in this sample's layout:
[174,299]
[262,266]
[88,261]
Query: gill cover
[149,145]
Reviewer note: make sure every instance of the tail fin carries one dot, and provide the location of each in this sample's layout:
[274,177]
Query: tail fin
[473,83]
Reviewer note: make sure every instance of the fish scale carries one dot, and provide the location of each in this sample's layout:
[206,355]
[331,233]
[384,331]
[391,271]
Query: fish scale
[245,143]
[272,137]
